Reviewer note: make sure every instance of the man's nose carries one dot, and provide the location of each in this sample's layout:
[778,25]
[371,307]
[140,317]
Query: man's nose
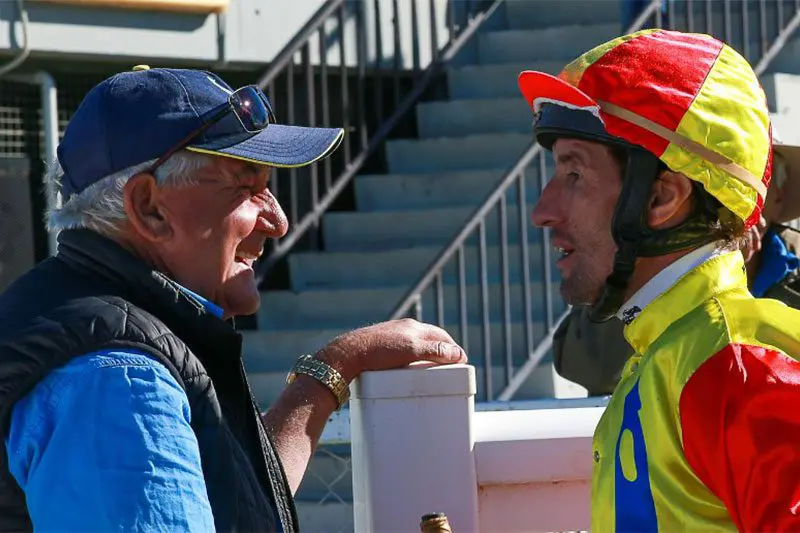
[547,210]
[272,219]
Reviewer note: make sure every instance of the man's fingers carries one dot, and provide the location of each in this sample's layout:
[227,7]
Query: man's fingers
[435,333]
[441,352]
[437,345]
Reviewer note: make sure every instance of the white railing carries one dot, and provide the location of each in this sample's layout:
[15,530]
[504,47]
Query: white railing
[419,446]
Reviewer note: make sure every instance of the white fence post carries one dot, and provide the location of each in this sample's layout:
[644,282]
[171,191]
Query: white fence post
[413,448]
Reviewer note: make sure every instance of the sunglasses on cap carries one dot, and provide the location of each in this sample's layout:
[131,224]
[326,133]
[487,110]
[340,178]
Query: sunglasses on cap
[248,104]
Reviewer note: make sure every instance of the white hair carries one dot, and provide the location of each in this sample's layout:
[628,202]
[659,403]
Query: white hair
[100,207]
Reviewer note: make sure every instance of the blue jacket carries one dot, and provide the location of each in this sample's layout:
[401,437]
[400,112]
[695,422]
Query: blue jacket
[119,422]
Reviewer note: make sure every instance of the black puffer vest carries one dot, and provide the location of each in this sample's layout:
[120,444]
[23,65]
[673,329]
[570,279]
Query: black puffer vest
[95,295]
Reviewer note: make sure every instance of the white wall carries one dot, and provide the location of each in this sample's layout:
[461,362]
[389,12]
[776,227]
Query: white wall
[534,468]
[419,447]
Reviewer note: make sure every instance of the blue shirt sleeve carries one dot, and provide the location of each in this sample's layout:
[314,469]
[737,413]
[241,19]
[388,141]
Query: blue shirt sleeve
[104,443]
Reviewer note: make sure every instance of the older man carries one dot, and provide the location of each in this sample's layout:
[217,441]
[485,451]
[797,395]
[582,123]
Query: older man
[593,354]
[123,398]
[662,151]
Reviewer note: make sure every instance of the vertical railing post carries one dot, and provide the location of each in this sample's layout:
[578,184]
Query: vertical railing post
[418,308]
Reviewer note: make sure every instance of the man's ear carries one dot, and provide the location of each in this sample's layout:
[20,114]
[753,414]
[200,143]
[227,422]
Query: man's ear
[670,201]
[146,214]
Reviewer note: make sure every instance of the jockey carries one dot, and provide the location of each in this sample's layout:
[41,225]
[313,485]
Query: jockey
[663,157]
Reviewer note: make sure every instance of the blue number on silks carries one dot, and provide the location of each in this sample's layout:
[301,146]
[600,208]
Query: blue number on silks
[633,499]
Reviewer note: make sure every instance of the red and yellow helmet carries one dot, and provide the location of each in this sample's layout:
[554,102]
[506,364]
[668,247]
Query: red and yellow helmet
[689,99]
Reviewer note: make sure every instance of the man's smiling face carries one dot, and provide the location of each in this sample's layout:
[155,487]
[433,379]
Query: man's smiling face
[219,226]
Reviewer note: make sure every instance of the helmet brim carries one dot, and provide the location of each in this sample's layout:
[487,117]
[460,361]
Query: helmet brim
[540,87]
[563,111]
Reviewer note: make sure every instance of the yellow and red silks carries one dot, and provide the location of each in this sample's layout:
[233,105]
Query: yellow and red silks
[689,99]
[702,431]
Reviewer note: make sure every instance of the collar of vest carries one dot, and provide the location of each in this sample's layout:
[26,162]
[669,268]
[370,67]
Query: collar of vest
[103,258]
[125,275]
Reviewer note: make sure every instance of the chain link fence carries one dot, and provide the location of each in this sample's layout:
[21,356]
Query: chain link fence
[21,130]
[325,498]
[20,120]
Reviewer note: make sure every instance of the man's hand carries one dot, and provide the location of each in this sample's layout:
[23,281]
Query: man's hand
[387,345]
[296,420]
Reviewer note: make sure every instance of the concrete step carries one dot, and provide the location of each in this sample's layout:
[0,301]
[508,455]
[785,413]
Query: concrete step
[468,54]
[475,152]
[558,43]
[394,230]
[527,14]
[402,268]
[315,517]
[268,351]
[458,118]
[277,350]
[500,81]
[402,192]
[391,230]
[351,308]
[494,81]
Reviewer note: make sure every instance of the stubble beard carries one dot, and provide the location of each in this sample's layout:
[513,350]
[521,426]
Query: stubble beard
[582,287]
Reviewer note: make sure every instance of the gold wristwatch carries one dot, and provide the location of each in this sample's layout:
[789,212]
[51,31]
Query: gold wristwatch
[325,374]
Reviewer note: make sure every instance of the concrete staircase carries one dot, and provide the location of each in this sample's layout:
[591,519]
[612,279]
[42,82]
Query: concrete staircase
[403,219]
[372,255]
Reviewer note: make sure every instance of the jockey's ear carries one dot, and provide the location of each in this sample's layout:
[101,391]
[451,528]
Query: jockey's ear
[670,201]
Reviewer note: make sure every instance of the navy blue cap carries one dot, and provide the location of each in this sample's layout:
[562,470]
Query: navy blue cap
[136,116]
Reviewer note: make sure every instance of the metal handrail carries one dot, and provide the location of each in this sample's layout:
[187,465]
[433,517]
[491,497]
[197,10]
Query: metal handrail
[367,144]
[778,43]
[312,26]
[411,302]
[434,269]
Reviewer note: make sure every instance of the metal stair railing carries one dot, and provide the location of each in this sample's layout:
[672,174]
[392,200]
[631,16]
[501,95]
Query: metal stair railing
[476,226]
[775,22]
[386,84]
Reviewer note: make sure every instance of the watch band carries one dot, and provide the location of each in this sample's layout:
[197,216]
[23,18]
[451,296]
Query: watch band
[325,374]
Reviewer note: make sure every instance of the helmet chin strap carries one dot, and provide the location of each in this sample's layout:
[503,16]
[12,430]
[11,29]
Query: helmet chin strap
[635,239]
[627,227]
